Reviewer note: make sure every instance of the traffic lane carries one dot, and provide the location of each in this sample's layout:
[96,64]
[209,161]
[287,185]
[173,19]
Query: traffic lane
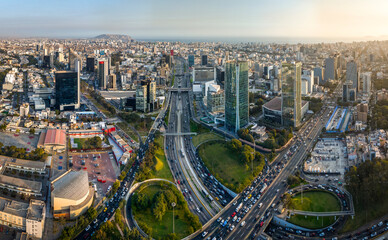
[288,170]
[193,205]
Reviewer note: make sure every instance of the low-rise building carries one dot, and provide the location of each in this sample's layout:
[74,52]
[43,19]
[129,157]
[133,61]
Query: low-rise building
[21,186]
[28,217]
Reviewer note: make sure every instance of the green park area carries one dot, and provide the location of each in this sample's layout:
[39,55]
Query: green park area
[368,191]
[313,201]
[231,163]
[203,134]
[155,164]
[161,168]
[153,211]
[88,143]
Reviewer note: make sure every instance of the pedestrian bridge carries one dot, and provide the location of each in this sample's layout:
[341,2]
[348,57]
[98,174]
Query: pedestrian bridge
[179,89]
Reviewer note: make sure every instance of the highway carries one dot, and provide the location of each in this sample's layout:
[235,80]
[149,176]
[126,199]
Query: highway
[177,155]
[257,205]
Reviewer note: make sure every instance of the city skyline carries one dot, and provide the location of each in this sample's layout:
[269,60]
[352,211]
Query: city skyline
[280,21]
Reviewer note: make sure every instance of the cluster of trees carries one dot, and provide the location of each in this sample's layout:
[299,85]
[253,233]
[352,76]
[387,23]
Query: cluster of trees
[276,138]
[2,75]
[102,101]
[115,57]
[135,120]
[368,184]
[91,143]
[70,232]
[247,155]
[379,119]
[315,103]
[380,83]
[160,203]
[295,180]
[330,85]
[244,134]
[256,109]
[11,151]
[147,165]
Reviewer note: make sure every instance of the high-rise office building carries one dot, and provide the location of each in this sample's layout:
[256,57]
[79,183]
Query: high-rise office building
[204,60]
[90,64]
[236,95]
[318,75]
[72,57]
[102,73]
[291,94]
[146,96]
[141,98]
[352,73]
[346,90]
[67,90]
[46,61]
[112,82]
[329,69]
[365,82]
[191,60]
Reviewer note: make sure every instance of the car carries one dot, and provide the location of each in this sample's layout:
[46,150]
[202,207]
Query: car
[95,221]
[87,228]
[204,234]
[242,223]
[106,219]
[198,210]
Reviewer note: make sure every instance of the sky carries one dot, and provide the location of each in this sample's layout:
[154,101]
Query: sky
[197,19]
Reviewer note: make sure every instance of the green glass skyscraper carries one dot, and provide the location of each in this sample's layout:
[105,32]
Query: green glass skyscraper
[291,94]
[236,95]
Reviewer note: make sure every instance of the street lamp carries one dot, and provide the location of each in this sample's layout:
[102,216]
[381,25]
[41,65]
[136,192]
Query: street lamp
[173,204]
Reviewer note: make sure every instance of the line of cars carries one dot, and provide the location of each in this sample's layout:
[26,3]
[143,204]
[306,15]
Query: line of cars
[113,203]
[247,200]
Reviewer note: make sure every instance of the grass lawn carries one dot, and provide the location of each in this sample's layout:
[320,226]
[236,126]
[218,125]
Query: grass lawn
[198,128]
[365,214]
[162,170]
[311,222]
[225,165]
[198,139]
[315,201]
[164,227]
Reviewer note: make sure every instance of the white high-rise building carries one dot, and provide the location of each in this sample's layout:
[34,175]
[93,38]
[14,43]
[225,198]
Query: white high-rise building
[308,76]
[365,82]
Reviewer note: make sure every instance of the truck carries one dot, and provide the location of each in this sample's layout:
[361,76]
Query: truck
[263,188]
[239,207]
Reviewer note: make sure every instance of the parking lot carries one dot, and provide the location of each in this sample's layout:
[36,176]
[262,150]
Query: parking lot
[19,140]
[58,165]
[328,156]
[99,168]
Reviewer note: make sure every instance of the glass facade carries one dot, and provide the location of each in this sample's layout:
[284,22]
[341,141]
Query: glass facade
[236,95]
[191,60]
[291,94]
[67,90]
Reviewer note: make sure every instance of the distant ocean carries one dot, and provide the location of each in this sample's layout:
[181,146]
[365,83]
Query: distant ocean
[281,40]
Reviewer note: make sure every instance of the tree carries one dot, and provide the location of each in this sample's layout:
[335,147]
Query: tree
[160,207]
[32,130]
[235,145]
[116,185]
[247,154]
